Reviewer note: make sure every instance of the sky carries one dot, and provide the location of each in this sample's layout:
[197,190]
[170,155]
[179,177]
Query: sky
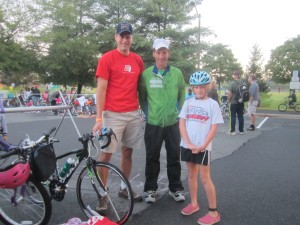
[242,23]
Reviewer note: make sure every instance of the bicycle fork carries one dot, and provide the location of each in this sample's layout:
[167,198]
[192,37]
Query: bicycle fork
[94,176]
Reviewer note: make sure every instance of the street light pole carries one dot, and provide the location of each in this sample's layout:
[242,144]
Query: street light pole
[199,32]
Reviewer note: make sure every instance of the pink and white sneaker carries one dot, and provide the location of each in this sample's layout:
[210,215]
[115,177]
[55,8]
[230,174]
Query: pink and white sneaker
[209,220]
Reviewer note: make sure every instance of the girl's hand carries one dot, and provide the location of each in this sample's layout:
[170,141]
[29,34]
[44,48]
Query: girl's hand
[198,149]
[191,146]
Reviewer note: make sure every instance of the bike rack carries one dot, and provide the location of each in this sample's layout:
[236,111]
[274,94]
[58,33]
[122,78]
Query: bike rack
[45,108]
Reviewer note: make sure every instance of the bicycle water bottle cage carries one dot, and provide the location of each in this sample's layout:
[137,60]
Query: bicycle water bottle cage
[106,136]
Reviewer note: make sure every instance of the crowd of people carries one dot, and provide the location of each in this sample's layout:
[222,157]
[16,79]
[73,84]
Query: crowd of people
[186,123]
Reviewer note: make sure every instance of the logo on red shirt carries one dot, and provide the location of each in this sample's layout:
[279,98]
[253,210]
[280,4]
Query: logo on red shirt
[127,68]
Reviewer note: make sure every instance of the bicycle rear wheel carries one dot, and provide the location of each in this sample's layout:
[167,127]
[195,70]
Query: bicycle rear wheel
[32,203]
[282,107]
[90,190]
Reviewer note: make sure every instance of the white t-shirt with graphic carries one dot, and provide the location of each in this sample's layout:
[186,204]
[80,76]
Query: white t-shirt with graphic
[200,115]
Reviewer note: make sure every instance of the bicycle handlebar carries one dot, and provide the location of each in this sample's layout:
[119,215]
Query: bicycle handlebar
[106,133]
[16,150]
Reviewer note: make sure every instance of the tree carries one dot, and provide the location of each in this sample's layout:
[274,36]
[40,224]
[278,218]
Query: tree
[169,19]
[69,36]
[220,62]
[18,63]
[69,41]
[284,59]
[255,67]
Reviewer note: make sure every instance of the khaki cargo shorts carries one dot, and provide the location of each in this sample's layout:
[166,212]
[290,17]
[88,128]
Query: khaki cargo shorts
[252,107]
[128,127]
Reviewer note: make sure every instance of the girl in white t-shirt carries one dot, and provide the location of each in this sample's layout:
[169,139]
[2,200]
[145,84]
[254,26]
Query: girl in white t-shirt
[199,119]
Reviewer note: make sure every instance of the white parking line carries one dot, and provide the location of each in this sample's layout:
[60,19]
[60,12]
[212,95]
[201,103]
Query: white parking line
[262,122]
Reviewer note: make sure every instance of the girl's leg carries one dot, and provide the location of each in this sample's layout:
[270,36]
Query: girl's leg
[192,180]
[209,188]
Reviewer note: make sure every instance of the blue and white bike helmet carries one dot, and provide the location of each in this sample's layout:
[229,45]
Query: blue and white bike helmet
[200,78]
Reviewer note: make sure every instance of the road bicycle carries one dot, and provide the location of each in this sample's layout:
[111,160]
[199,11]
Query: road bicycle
[32,202]
[282,107]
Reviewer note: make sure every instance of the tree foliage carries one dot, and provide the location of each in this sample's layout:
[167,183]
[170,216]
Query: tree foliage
[255,67]
[284,59]
[18,63]
[63,39]
[220,62]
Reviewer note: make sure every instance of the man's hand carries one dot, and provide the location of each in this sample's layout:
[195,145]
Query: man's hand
[97,127]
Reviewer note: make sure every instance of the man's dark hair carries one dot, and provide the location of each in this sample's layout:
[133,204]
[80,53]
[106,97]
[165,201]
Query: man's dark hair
[237,73]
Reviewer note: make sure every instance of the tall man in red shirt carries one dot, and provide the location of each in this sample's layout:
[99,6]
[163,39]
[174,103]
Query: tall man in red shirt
[117,75]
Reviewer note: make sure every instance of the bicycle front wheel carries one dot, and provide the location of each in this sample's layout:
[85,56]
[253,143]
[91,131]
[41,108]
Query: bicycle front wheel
[282,107]
[29,202]
[297,108]
[90,190]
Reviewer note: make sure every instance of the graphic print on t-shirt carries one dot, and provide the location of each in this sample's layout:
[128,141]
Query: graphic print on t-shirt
[197,113]
[127,68]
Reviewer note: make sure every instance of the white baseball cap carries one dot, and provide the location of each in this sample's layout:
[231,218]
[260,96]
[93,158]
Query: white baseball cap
[160,43]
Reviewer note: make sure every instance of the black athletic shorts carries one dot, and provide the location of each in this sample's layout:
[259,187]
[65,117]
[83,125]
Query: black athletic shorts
[202,158]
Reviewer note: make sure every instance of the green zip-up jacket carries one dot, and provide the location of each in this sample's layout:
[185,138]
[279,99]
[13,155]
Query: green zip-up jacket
[161,96]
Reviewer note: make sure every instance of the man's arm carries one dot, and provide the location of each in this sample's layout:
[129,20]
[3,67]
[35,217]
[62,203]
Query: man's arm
[142,92]
[100,99]
[181,94]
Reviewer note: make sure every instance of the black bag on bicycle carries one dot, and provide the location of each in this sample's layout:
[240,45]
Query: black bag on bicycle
[43,161]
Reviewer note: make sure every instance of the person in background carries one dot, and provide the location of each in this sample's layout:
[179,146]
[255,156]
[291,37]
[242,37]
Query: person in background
[224,97]
[199,119]
[36,94]
[253,100]
[213,93]
[236,107]
[161,93]
[189,94]
[52,97]
[3,125]
[27,94]
[292,97]
[117,74]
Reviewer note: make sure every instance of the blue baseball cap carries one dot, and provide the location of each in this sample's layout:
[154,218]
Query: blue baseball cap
[124,27]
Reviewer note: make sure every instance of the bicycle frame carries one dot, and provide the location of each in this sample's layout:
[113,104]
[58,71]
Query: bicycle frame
[81,154]
[32,196]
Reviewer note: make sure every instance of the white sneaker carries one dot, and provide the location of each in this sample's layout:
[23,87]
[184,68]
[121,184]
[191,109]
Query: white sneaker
[150,196]
[178,196]
[231,133]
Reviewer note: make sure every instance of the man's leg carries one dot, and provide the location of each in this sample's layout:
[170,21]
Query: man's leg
[240,114]
[153,142]
[104,157]
[233,108]
[126,161]
[172,142]
[102,204]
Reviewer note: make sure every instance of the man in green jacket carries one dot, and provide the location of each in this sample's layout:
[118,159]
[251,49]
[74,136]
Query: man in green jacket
[161,95]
